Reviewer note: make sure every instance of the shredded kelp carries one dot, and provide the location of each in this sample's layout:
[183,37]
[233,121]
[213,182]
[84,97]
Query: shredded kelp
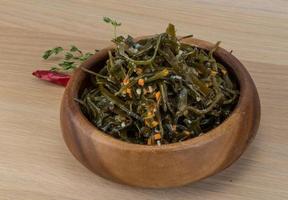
[158,91]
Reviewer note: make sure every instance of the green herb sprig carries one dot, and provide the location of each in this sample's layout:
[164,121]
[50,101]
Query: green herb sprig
[114,23]
[73,57]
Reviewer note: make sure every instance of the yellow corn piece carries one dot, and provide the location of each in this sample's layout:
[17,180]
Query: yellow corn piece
[125,81]
[129,92]
[157,136]
[224,72]
[141,82]
[157,96]
[151,123]
[213,73]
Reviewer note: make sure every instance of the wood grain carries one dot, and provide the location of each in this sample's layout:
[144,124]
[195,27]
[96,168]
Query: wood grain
[35,164]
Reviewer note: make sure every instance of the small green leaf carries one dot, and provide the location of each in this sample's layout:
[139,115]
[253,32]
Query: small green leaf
[57,50]
[75,49]
[47,54]
[54,68]
[85,56]
[68,56]
[50,52]
[114,23]
[66,65]
[111,21]
[107,19]
[171,30]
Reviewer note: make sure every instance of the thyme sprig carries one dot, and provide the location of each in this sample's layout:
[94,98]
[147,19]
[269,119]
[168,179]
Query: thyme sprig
[71,58]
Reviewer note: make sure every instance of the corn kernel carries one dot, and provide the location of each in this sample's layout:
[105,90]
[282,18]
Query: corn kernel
[125,81]
[141,82]
[157,136]
[129,92]
[158,96]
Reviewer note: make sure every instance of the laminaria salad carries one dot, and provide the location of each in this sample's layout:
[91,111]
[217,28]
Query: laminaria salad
[157,90]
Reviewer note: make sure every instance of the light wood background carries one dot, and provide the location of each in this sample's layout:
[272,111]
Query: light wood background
[34,161]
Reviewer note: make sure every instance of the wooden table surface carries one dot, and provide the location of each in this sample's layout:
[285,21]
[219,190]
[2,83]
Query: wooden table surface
[34,161]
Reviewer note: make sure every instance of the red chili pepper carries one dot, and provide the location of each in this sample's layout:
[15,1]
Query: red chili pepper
[53,77]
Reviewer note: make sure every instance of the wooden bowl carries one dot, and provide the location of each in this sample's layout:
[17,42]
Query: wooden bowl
[167,165]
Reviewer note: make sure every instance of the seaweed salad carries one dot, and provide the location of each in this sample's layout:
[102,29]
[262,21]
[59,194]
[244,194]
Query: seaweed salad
[157,90]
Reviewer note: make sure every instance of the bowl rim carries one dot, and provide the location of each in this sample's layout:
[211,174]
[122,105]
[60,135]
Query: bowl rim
[240,72]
